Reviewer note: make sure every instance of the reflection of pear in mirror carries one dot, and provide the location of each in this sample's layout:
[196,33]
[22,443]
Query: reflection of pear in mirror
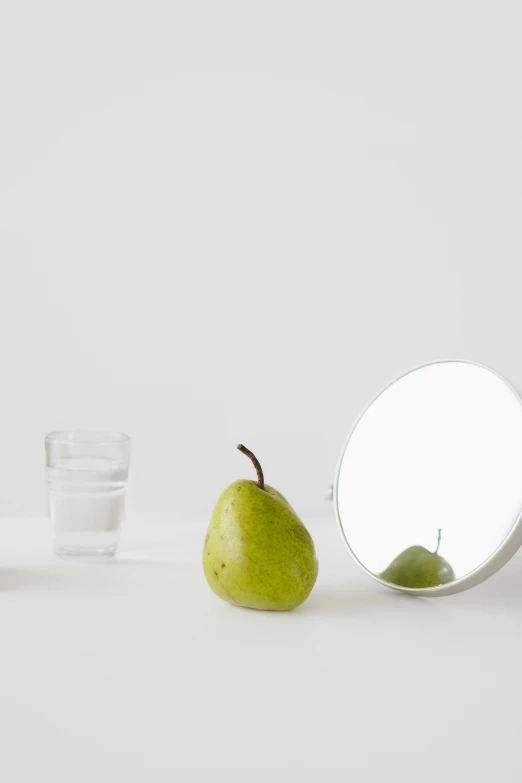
[418,567]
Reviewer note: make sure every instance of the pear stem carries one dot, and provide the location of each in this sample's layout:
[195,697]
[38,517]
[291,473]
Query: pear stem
[439,535]
[259,470]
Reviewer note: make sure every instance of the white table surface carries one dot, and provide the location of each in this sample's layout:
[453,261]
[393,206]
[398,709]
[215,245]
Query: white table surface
[135,671]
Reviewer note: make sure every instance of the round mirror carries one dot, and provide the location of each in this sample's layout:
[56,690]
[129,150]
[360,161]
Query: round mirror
[428,493]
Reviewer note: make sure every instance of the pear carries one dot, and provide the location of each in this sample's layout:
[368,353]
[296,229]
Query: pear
[257,551]
[418,567]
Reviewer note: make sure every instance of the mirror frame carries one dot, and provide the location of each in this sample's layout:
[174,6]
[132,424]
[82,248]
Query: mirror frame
[498,558]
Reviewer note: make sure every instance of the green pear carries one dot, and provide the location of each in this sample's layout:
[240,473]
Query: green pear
[257,551]
[418,567]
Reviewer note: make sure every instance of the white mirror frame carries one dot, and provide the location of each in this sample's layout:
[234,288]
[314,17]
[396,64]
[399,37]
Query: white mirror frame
[509,546]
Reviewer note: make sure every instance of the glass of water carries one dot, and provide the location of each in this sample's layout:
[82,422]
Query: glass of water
[86,483]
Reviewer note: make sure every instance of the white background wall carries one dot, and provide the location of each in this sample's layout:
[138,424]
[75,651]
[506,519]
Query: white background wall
[238,220]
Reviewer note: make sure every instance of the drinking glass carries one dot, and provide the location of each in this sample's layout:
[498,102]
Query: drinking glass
[86,482]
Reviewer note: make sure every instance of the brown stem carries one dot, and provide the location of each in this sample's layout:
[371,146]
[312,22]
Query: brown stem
[260,477]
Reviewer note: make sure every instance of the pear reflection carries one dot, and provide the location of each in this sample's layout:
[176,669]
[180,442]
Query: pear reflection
[418,567]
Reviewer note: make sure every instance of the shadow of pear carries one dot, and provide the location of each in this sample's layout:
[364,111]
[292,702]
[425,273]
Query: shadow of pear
[347,601]
[123,577]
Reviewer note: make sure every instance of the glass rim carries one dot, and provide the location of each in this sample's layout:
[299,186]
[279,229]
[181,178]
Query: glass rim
[95,437]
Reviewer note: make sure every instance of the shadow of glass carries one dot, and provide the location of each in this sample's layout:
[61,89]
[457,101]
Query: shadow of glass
[116,577]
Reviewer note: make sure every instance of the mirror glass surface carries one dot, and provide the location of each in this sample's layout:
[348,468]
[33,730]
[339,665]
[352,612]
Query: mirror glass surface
[439,450]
